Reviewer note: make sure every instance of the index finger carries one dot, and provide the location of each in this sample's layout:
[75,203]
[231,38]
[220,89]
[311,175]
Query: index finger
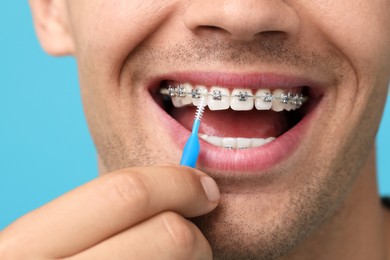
[110,204]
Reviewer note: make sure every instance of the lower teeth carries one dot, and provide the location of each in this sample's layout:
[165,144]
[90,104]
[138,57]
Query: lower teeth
[236,143]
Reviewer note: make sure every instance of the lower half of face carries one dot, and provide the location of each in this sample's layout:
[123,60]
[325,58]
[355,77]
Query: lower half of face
[294,97]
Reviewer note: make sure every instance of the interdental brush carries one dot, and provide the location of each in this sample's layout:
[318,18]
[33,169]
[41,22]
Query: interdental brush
[192,147]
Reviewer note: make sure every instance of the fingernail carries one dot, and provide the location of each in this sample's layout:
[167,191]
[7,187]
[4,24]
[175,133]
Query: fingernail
[211,189]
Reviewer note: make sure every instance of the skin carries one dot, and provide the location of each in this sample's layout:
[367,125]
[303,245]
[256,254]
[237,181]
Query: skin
[320,203]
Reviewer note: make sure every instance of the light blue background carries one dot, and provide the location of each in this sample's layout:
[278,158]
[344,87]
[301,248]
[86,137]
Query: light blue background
[45,147]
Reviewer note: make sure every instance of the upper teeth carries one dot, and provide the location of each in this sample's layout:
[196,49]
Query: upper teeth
[219,98]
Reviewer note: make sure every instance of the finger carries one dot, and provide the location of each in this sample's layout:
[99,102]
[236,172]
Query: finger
[165,236]
[110,204]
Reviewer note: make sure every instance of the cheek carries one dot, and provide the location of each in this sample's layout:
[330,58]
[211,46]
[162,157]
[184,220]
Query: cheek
[360,29]
[107,31]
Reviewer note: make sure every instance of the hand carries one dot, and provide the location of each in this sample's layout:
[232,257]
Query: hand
[137,213]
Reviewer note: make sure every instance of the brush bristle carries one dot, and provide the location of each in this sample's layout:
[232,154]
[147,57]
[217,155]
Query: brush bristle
[200,108]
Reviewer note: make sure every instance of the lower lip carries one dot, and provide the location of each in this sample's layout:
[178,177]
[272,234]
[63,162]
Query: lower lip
[248,161]
[253,160]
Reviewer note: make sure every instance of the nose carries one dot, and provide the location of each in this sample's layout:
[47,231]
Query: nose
[242,20]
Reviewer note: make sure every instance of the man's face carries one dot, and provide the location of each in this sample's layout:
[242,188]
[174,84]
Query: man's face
[335,53]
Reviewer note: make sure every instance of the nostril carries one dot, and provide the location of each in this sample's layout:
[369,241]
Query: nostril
[272,36]
[209,30]
[272,33]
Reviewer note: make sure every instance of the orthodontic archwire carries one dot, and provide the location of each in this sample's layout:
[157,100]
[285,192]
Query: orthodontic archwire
[192,146]
[294,99]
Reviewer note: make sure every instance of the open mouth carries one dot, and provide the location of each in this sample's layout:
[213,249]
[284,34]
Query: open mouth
[245,119]
[238,118]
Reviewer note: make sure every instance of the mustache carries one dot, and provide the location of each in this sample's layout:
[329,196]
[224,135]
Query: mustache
[265,50]
[276,51]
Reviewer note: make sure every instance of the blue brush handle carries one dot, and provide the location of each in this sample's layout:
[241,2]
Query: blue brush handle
[192,147]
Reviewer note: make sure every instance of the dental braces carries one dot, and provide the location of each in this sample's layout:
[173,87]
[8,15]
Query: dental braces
[180,91]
